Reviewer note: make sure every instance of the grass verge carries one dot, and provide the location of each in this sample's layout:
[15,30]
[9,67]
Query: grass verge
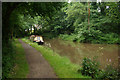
[61,65]
[21,68]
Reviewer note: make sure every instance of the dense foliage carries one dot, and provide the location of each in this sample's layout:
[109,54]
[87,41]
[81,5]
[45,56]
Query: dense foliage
[73,25]
[67,20]
[20,16]
[92,68]
[8,59]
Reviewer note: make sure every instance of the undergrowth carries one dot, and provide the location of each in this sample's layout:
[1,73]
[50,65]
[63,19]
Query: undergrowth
[14,64]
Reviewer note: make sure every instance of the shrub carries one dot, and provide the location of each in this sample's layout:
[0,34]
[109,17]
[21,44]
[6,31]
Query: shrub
[90,67]
[71,37]
[109,73]
[8,51]
[110,38]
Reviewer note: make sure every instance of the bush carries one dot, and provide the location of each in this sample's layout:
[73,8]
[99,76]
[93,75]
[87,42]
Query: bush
[90,67]
[71,37]
[8,51]
[109,73]
[110,38]
[92,36]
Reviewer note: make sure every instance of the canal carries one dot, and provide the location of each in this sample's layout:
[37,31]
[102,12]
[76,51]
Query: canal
[106,53]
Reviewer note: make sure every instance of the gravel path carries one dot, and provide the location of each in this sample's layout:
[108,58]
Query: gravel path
[38,66]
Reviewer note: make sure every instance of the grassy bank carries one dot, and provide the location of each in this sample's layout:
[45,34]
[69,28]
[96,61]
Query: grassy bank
[61,65]
[20,69]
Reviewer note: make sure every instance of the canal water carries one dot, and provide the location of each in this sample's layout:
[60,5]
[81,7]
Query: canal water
[107,53]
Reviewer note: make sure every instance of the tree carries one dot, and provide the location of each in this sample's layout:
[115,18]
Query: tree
[33,9]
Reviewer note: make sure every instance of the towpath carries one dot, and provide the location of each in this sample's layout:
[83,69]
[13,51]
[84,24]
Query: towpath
[38,66]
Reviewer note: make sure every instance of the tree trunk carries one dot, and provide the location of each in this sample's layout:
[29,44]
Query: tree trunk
[31,29]
[12,34]
[6,20]
[88,15]
[34,30]
[28,32]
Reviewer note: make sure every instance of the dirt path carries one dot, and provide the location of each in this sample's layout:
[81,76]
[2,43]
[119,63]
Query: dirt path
[38,66]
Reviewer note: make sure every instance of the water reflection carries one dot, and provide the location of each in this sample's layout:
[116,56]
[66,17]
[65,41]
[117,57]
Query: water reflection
[107,53]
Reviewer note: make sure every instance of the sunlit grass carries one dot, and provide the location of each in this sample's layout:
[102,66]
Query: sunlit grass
[61,65]
[20,69]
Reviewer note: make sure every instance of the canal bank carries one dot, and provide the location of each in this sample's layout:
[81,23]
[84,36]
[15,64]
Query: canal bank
[61,65]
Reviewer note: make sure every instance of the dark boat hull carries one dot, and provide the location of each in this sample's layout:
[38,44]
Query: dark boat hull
[40,43]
